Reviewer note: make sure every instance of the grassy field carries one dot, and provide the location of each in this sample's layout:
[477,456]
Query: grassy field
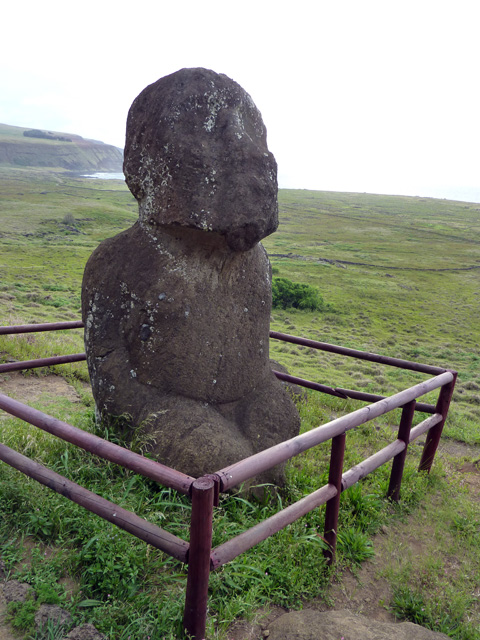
[400,276]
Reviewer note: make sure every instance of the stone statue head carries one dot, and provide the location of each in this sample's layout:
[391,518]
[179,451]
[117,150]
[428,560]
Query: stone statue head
[196,155]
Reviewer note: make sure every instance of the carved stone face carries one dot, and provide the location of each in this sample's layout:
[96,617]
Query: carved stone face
[196,155]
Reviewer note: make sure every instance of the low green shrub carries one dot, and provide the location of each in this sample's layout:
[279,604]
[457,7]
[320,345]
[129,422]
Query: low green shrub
[287,294]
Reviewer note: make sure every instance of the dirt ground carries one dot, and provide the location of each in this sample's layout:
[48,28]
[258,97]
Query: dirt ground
[28,388]
[366,592]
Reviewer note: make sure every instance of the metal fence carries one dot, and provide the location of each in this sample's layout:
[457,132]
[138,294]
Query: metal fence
[204,492]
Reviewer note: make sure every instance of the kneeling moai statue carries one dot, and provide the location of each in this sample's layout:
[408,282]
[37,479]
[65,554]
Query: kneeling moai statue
[177,308]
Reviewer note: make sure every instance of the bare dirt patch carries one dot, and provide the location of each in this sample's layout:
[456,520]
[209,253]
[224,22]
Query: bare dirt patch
[30,387]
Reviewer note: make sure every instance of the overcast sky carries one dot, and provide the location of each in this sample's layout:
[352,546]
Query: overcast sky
[357,95]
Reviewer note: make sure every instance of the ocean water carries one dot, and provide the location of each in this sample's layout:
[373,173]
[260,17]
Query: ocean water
[105,176]
[462,194]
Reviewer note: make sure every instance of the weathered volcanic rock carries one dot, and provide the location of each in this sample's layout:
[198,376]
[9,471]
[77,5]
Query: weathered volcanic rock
[15,591]
[54,613]
[333,625]
[177,308]
[85,632]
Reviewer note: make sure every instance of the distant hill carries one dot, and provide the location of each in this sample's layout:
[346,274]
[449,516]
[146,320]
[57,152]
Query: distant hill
[27,147]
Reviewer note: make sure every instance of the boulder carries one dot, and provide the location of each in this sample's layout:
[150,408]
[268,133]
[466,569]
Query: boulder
[52,612]
[85,632]
[15,591]
[344,625]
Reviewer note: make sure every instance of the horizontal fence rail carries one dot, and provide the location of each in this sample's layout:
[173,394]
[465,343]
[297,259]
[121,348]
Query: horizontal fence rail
[361,355]
[344,393]
[122,518]
[198,553]
[249,467]
[310,385]
[98,446]
[47,326]
[235,546]
[41,362]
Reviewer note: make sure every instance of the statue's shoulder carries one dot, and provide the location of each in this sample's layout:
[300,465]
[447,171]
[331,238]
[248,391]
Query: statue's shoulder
[111,248]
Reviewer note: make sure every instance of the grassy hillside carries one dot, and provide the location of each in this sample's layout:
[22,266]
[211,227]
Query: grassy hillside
[400,276]
[401,273]
[24,147]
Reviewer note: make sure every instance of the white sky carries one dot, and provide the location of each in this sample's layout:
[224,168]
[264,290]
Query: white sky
[380,96]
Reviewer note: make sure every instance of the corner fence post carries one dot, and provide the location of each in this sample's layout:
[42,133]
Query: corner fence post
[398,464]
[333,505]
[435,433]
[195,615]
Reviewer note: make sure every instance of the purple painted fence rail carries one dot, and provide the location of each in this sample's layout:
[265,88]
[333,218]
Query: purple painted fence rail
[199,555]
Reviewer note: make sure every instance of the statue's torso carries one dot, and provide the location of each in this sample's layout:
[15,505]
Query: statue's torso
[167,302]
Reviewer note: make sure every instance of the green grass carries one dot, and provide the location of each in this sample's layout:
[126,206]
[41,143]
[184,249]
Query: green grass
[426,582]
[403,280]
[399,276]
[122,580]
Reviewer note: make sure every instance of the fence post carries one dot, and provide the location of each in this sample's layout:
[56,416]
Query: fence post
[398,464]
[333,505]
[435,433]
[195,615]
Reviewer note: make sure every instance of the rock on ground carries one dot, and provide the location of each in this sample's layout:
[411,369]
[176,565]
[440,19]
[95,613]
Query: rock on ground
[85,632]
[344,625]
[15,591]
[54,613]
